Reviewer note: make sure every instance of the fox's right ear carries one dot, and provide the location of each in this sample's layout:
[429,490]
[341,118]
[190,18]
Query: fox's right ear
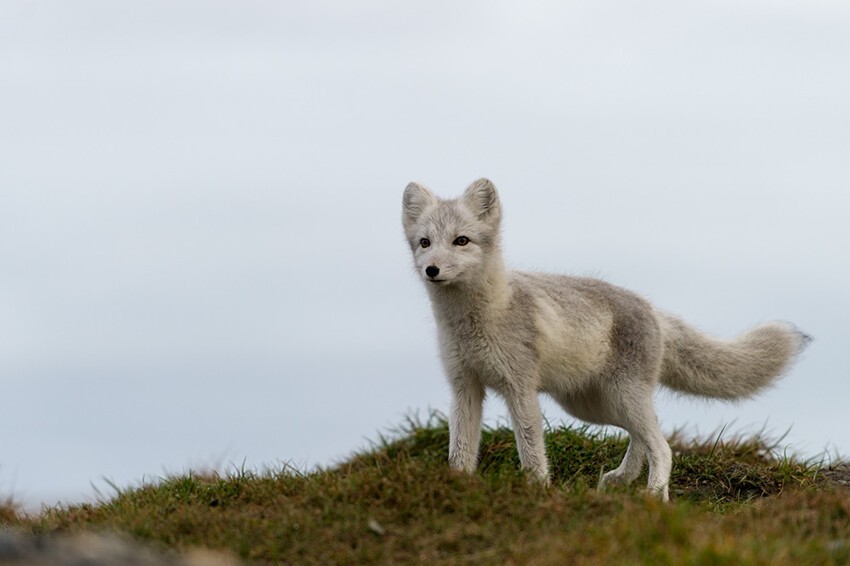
[416,199]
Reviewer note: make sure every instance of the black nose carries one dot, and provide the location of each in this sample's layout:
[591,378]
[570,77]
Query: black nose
[432,271]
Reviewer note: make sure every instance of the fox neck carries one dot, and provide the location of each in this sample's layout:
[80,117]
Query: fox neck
[485,295]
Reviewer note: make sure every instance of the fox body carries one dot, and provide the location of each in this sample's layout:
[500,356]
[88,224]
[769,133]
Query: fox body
[599,350]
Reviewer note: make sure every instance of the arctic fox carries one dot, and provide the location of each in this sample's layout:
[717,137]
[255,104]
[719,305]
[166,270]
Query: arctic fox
[599,350]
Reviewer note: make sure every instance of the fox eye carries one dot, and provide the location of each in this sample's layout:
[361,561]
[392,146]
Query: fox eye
[461,241]
[424,242]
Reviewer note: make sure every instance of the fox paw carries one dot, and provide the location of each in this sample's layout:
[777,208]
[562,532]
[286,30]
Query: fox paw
[614,478]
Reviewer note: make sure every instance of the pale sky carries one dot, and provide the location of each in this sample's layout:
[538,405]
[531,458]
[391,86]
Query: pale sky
[200,225]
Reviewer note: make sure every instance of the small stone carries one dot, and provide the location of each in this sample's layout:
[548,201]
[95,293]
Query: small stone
[376,527]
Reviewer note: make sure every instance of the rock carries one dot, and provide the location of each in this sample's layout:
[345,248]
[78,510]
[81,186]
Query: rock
[96,549]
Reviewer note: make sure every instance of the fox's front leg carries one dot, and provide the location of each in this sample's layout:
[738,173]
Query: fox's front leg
[465,424]
[527,418]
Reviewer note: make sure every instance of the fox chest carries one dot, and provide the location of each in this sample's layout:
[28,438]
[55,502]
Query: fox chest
[497,357]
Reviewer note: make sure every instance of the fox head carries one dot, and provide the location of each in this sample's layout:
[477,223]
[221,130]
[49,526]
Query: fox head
[453,241]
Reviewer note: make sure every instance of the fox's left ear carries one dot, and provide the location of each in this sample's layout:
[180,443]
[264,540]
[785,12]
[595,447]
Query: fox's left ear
[483,200]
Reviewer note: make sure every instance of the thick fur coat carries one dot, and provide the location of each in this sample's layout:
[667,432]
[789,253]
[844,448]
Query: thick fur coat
[599,350]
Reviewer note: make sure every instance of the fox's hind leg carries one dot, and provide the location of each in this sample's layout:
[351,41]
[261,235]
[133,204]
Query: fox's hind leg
[632,409]
[660,464]
[630,468]
[644,430]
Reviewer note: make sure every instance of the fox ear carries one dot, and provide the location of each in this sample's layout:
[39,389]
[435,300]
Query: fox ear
[483,200]
[416,199]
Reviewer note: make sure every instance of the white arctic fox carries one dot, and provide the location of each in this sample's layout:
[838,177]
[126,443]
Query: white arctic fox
[599,350]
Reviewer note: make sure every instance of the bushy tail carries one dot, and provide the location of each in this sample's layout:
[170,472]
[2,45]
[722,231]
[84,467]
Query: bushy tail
[727,369]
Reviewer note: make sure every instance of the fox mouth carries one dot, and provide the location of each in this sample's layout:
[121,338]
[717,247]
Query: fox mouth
[438,281]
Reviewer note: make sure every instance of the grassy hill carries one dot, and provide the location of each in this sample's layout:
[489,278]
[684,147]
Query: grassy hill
[733,502]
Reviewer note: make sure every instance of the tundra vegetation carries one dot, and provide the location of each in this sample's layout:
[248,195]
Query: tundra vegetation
[734,500]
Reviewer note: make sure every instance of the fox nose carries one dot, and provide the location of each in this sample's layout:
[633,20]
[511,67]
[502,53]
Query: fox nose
[432,271]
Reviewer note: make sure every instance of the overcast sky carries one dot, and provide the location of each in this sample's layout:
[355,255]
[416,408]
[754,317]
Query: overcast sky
[201,254]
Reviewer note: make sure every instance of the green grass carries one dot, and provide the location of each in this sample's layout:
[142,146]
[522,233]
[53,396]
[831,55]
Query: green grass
[733,502]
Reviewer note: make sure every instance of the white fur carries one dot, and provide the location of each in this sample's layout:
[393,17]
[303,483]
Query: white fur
[599,350]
